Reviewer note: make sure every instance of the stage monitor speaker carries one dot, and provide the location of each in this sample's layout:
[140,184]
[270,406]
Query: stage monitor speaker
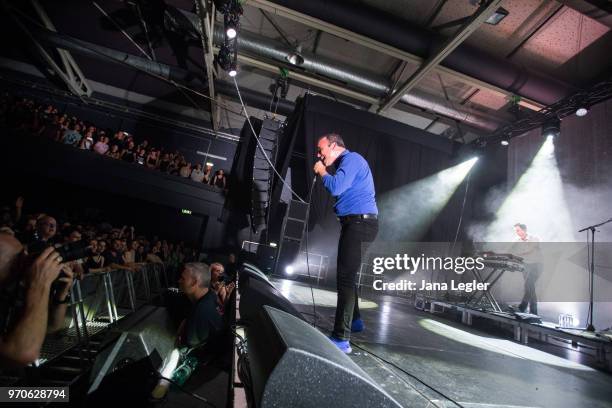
[251,270]
[140,349]
[292,364]
[256,292]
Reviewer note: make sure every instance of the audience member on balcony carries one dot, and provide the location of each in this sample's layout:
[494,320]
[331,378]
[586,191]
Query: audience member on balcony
[219,180]
[119,140]
[51,128]
[101,146]
[29,306]
[185,170]
[72,136]
[87,142]
[208,173]
[152,159]
[114,152]
[197,174]
[129,154]
[174,167]
[164,162]
[141,155]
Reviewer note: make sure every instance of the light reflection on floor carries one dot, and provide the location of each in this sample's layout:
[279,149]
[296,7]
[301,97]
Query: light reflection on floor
[506,347]
[460,361]
[299,294]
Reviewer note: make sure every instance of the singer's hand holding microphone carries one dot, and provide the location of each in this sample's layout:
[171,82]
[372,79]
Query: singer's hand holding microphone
[319,168]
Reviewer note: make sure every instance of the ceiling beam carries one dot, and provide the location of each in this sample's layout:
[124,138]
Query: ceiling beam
[477,19]
[69,73]
[376,45]
[596,9]
[206,13]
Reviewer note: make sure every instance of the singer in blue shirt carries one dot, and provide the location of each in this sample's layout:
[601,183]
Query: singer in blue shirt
[353,187]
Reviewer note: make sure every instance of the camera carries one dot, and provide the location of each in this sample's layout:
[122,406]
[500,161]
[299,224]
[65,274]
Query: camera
[70,251]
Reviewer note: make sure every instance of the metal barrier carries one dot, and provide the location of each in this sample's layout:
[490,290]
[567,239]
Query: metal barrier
[100,299]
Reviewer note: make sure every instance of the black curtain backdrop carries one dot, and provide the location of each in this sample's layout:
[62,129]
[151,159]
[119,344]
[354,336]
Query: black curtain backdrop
[398,154]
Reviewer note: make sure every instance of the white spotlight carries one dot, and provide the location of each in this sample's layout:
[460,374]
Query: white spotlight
[273,244]
[232,72]
[505,143]
[231,33]
[289,269]
[581,112]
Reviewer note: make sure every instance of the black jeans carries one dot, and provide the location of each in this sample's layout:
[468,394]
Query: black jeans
[356,235]
[531,273]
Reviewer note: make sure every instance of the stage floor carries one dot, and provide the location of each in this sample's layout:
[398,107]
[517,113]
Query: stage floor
[462,364]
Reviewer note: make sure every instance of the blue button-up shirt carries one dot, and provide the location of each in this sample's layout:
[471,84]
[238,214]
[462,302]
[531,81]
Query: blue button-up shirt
[352,185]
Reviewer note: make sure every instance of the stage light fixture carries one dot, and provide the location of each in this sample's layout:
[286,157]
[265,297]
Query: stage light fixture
[581,112]
[295,57]
[232,71]
[505,143]
[231,32]
[498,16]
[289,270]
[224,57]
[273,244]
[551,128]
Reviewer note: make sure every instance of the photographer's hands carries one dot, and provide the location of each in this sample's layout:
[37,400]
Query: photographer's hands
[66,282]
[45,268]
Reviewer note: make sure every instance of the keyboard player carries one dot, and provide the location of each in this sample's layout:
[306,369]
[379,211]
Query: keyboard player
[527,246]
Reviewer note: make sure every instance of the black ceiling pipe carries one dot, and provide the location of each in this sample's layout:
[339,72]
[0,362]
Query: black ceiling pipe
[467,60]
[179,75]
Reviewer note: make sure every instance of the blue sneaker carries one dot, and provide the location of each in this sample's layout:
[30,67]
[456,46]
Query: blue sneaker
[343,345]
[357,326]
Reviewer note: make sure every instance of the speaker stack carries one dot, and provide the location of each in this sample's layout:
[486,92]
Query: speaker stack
[263,174]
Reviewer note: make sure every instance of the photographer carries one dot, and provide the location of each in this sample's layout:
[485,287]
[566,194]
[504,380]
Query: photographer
[30,302]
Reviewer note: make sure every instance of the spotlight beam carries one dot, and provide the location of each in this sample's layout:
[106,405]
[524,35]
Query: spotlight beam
[407,212]
[536,200]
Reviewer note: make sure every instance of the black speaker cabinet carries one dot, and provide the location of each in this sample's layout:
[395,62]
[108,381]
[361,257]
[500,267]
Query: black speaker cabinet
[257,291]
[293,364]
[130,362]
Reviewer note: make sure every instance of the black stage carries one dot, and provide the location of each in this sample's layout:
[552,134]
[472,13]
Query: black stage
[471,367]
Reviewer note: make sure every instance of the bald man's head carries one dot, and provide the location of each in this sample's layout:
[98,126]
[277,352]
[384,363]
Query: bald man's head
[10,248]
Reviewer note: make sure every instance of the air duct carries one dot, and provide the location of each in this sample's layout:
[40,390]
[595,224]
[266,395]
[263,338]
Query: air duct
[184,77]
[387,29]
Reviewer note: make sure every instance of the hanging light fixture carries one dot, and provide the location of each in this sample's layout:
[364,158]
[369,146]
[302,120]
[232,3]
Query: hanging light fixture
[295,57]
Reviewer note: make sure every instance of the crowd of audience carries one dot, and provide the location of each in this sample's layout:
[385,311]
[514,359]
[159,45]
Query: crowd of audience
[35,280]
[45,120]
